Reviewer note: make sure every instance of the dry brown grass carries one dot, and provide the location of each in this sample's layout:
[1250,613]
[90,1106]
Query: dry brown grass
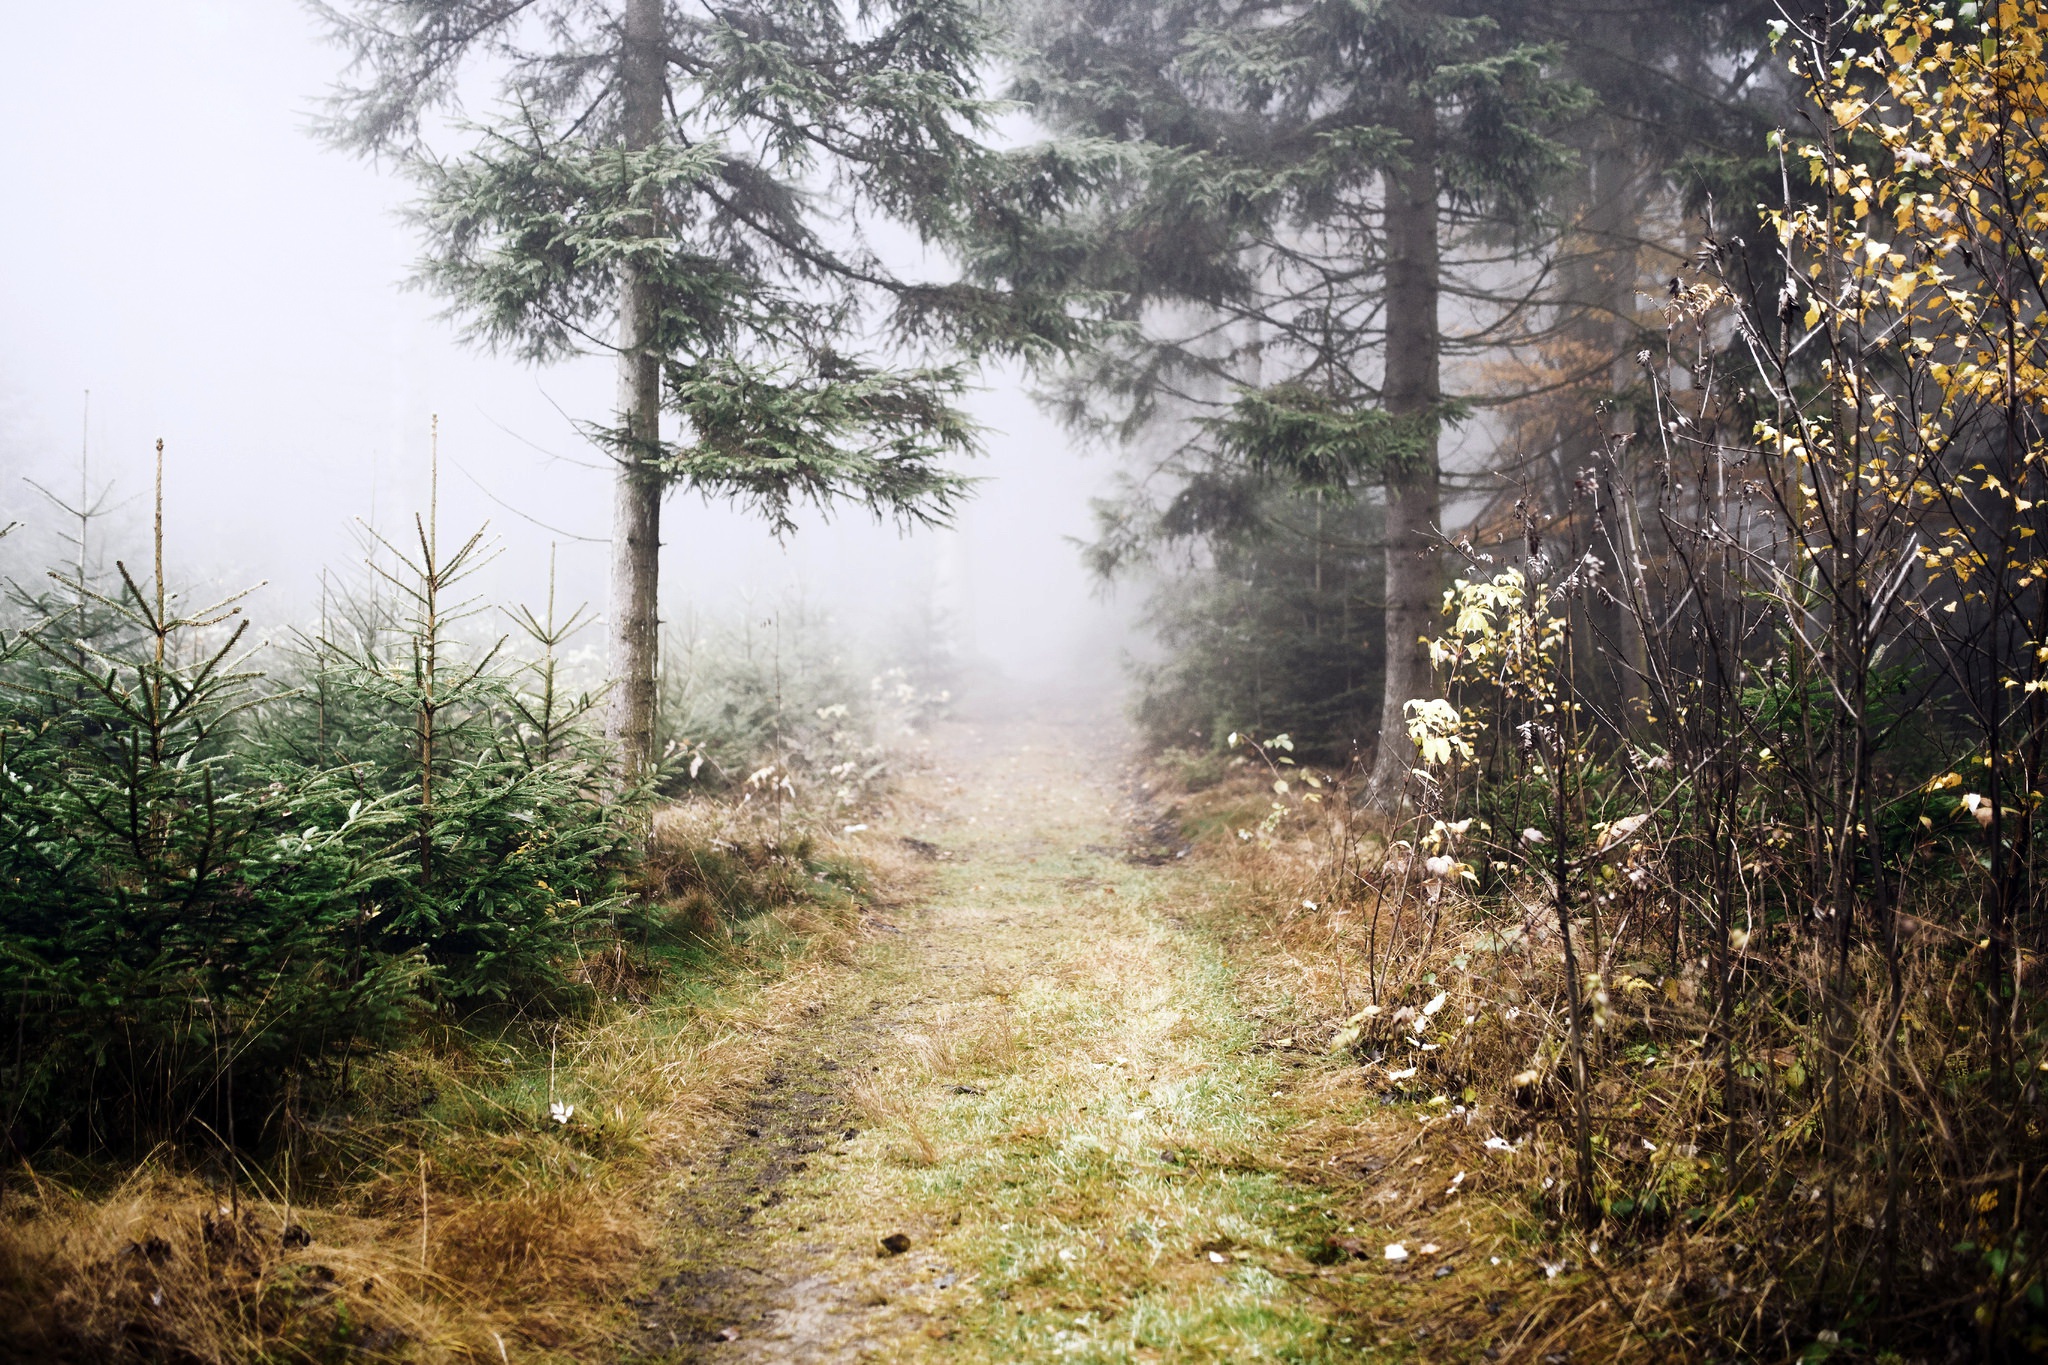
[534,1232]
[893,1109]
[512,1246]
[162,1268]
[1713,1236]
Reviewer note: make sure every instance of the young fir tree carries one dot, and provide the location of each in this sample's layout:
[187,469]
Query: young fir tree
[177,932]
[511,860]
[688,190]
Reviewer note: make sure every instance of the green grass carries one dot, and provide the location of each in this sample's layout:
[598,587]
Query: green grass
[1109,1194]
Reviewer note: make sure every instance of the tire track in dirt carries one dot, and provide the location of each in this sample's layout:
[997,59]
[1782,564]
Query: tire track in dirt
[730,1284]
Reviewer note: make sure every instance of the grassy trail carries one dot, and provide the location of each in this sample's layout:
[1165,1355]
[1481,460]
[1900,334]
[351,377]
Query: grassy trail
[1032,1122]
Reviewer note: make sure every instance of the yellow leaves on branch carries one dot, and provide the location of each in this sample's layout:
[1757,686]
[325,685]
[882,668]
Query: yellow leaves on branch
[1437,731]
[1501,633]
[1502,637]
[1928,243]
[1965,129]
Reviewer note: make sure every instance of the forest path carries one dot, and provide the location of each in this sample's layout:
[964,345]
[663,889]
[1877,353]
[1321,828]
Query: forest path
[1031,1122]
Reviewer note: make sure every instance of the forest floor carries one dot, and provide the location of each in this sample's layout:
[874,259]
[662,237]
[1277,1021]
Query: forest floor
[1048,1078]
[1045,1113]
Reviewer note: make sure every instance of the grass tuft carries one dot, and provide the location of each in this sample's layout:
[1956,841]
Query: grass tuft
[428,1206]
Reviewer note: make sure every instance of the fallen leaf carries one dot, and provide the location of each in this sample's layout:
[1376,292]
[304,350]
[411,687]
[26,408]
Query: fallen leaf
[1619,833]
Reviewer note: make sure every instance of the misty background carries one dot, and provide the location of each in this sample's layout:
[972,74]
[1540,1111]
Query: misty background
[183,248]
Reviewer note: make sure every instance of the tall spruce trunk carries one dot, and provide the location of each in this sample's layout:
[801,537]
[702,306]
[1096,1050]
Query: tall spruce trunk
[1616,222]
[635,621]
[1600,284]
[1413,389]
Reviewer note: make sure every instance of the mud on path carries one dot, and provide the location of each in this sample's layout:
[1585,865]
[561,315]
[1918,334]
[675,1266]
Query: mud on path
[1026,1124]
[728,1278]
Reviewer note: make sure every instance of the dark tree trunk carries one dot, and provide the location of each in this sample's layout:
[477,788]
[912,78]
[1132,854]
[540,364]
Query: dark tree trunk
[635,620]
[1615,225]
[1414,388]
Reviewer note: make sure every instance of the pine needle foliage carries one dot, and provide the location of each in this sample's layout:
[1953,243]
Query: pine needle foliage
[171,933]
[512,850]
[1266,610]
[534,226]
[215,891]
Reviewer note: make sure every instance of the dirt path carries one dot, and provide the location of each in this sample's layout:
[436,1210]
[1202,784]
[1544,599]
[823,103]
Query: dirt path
[1030,1124]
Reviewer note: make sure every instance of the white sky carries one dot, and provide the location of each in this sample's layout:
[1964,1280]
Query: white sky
[177,243]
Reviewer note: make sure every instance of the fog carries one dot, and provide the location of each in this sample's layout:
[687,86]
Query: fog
[180,246]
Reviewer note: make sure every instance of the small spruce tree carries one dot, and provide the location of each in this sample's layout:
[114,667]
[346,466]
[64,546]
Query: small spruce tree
[174,938]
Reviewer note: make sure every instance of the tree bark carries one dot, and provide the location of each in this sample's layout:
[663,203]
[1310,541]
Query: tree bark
[635,619]
[1413,389]
[1615,224]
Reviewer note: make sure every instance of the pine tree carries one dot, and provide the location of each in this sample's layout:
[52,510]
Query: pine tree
[1307,178]
[176,934]
[667,186]
[1273,241]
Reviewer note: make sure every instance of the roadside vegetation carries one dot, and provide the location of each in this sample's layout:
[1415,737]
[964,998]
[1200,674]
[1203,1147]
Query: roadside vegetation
[357,1005]
[1698,963]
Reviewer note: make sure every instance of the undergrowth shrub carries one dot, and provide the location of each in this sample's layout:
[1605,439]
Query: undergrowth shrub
[213,889]
[774,711]
[1706,935]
